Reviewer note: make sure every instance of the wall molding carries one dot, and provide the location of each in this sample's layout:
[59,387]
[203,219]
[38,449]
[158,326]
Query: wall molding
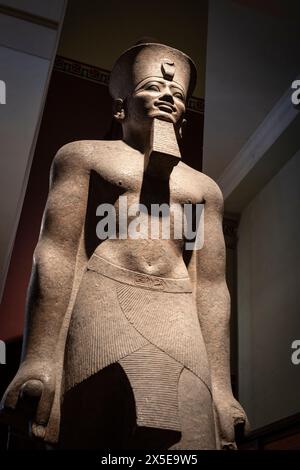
[101,76]
[31,18]
[266,134]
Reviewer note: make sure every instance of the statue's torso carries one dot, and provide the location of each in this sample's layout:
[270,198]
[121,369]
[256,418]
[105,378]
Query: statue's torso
[117,174]
[146,324]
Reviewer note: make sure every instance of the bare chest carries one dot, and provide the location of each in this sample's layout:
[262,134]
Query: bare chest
[128,177]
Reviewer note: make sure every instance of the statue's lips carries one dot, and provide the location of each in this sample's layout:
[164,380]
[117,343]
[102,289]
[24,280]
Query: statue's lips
[168,108]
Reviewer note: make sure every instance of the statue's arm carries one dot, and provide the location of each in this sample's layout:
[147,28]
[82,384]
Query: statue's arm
[51,282]
[55,255]
[213,304]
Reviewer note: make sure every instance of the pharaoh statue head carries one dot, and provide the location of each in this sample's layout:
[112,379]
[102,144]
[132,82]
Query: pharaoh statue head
[152,80]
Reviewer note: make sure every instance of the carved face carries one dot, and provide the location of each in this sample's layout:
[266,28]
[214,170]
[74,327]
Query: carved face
[156,97]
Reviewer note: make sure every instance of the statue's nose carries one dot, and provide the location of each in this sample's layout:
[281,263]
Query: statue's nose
[167,96]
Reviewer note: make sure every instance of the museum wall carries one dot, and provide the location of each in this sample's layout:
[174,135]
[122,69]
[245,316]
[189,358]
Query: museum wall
[269,298]
[29,33]
[252,60]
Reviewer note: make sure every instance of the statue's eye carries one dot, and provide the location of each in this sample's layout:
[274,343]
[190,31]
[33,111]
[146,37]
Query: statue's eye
[179,95]
[153,87]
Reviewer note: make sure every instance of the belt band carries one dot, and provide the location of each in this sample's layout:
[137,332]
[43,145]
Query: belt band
[134,278]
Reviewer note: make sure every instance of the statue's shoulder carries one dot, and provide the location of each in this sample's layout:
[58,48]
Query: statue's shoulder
[211,191]
[209,188]
[73,154]
[83,153]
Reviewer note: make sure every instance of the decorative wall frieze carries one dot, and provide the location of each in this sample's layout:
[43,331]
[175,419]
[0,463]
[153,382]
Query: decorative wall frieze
[101,76]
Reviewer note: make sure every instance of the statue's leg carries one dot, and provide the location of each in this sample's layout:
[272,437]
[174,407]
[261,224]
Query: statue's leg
[98,413]
[196,414]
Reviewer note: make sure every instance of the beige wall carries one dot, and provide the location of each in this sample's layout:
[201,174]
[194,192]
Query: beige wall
[269,298]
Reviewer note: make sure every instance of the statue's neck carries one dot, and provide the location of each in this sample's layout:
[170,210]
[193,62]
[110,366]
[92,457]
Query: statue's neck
[158,144]
[139,139]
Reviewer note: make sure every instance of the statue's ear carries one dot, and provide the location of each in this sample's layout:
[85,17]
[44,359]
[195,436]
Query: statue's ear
[119,111]
[182,128]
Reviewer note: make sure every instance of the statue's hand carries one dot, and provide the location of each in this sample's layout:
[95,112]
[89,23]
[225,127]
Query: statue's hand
[229,413]
[29,397]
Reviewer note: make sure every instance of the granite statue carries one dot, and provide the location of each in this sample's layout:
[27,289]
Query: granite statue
[127,337]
